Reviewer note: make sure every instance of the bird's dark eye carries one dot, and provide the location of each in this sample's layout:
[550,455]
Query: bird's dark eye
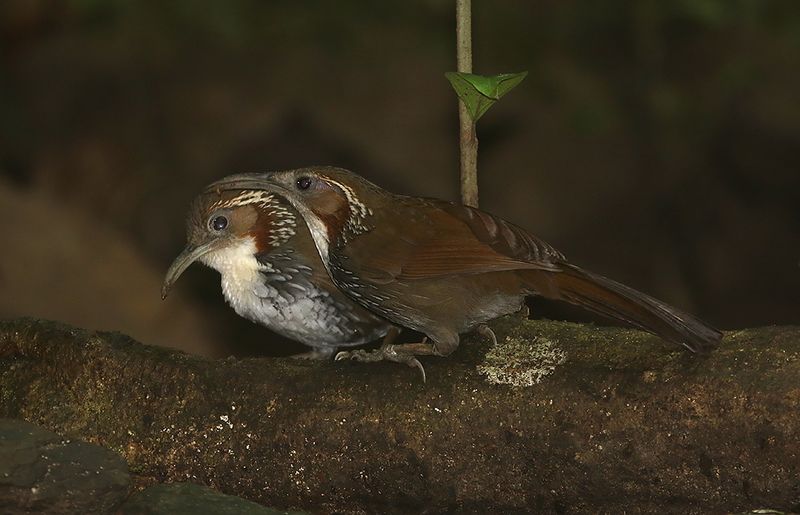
[219,223]
[303,183]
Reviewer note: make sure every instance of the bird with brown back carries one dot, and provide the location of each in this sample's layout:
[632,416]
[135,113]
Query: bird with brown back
[444,269]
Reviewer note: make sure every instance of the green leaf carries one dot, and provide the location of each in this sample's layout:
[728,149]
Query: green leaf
[479,92]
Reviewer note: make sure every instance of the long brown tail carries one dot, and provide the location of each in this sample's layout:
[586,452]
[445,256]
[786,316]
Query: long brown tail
[612,299]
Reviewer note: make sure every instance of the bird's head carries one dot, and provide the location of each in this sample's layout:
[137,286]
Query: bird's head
[335,203]
[225,223]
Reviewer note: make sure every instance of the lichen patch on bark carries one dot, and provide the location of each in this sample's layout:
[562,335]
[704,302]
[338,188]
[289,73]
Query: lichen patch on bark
[521,363]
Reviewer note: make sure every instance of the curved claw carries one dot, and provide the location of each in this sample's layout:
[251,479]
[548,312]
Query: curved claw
[486,331]
[414,362]
[345,354]
[385,353]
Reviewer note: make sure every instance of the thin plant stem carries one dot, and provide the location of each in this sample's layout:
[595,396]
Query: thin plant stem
[468,139]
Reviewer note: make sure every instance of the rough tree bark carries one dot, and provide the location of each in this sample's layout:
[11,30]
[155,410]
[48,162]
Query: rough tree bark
[626,422]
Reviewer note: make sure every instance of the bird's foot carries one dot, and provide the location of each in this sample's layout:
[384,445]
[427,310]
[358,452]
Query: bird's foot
[326,351]
[486,331]
[524,312]
[319,353]
[405,354]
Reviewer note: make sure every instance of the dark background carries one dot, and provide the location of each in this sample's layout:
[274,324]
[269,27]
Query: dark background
[654,142]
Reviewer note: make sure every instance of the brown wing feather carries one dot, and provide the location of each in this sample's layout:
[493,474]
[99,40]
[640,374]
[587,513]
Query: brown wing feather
[454,257]
[503,237]
[441,238]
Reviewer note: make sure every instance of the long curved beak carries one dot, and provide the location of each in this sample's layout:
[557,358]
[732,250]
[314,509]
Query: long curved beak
[245,181]
[189,255]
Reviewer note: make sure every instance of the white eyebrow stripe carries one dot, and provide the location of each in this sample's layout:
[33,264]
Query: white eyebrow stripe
[247,197]
[284,223]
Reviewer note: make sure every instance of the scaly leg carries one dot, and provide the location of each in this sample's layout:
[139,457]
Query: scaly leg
[328,351]
[404,353]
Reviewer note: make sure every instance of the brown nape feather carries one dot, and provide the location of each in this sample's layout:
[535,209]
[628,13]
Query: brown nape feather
[612,299]
[261,229]
[332,209]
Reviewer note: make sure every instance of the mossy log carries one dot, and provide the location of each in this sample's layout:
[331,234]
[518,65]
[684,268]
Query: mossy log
[618,420]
